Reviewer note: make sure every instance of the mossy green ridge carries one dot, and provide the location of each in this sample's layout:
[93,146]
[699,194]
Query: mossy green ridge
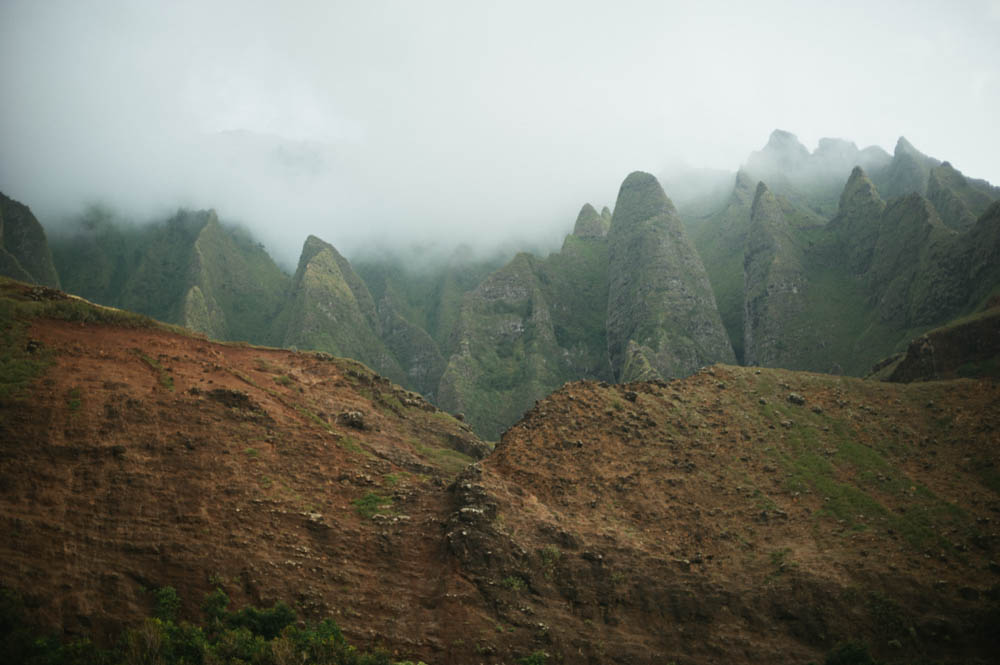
[859,288]
[25,254]
[855,223]
[330,309]
[242,287]
[528,328]
[189,269]
[427,295]
[968,347]
[661,312]
[907,173]
[959,200]
[879,273]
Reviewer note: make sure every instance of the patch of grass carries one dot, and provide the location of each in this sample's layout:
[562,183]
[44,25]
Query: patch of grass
[350,443]
[449,460]
[252,453]
[781,561]
[283,380]
[550,555]
[18,365]
[372,504]
[74,399]
[514,583]
[163,376]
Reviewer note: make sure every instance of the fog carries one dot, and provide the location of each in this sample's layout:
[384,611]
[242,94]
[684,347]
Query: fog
[401,123]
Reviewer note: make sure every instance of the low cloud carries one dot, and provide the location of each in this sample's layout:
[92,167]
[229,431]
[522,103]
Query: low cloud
[393,124]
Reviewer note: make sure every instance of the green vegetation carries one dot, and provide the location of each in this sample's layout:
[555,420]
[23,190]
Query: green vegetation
[163,376]
[261,636]
[74,399]
[451,461]
[372,504]
[550,556]
[19,365]
[536,658]
[514,583]
[856,481]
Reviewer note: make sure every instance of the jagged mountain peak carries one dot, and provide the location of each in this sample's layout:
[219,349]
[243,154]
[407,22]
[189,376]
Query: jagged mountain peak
[781,139]
[640,198]
[743,189]
[589,224]
[783,151]
[859,190]
[904,146]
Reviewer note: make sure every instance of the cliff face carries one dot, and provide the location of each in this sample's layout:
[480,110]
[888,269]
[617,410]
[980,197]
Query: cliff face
[662,319]
[24,249]
[775,285]
[506,354]
[529,327]
[856,222]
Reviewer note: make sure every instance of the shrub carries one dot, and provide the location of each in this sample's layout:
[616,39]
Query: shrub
[168,603]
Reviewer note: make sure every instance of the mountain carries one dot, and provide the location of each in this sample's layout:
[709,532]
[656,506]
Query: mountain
[662,319]
[528,328]
[625,298]
[189,269]
[795,290]
[827,260]
[811,179]
[24,249]
[739,515]
[330,309]
[967,347]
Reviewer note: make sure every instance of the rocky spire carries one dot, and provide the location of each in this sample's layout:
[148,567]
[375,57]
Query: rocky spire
[589,224]
[662,318]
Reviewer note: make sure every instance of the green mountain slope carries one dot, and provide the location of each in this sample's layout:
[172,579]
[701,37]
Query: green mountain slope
[330,309]
[528,328]
[24,249]
[189,269]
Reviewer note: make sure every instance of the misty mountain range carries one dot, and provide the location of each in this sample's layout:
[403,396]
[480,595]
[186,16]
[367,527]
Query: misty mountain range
[827,260]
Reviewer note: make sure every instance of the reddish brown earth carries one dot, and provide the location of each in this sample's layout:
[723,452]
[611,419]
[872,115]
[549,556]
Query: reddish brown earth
[708,520]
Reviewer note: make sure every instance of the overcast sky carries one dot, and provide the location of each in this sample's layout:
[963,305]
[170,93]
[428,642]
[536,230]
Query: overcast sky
[467,121]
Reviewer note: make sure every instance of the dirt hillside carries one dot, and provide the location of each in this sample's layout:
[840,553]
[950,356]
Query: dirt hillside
[737,516]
